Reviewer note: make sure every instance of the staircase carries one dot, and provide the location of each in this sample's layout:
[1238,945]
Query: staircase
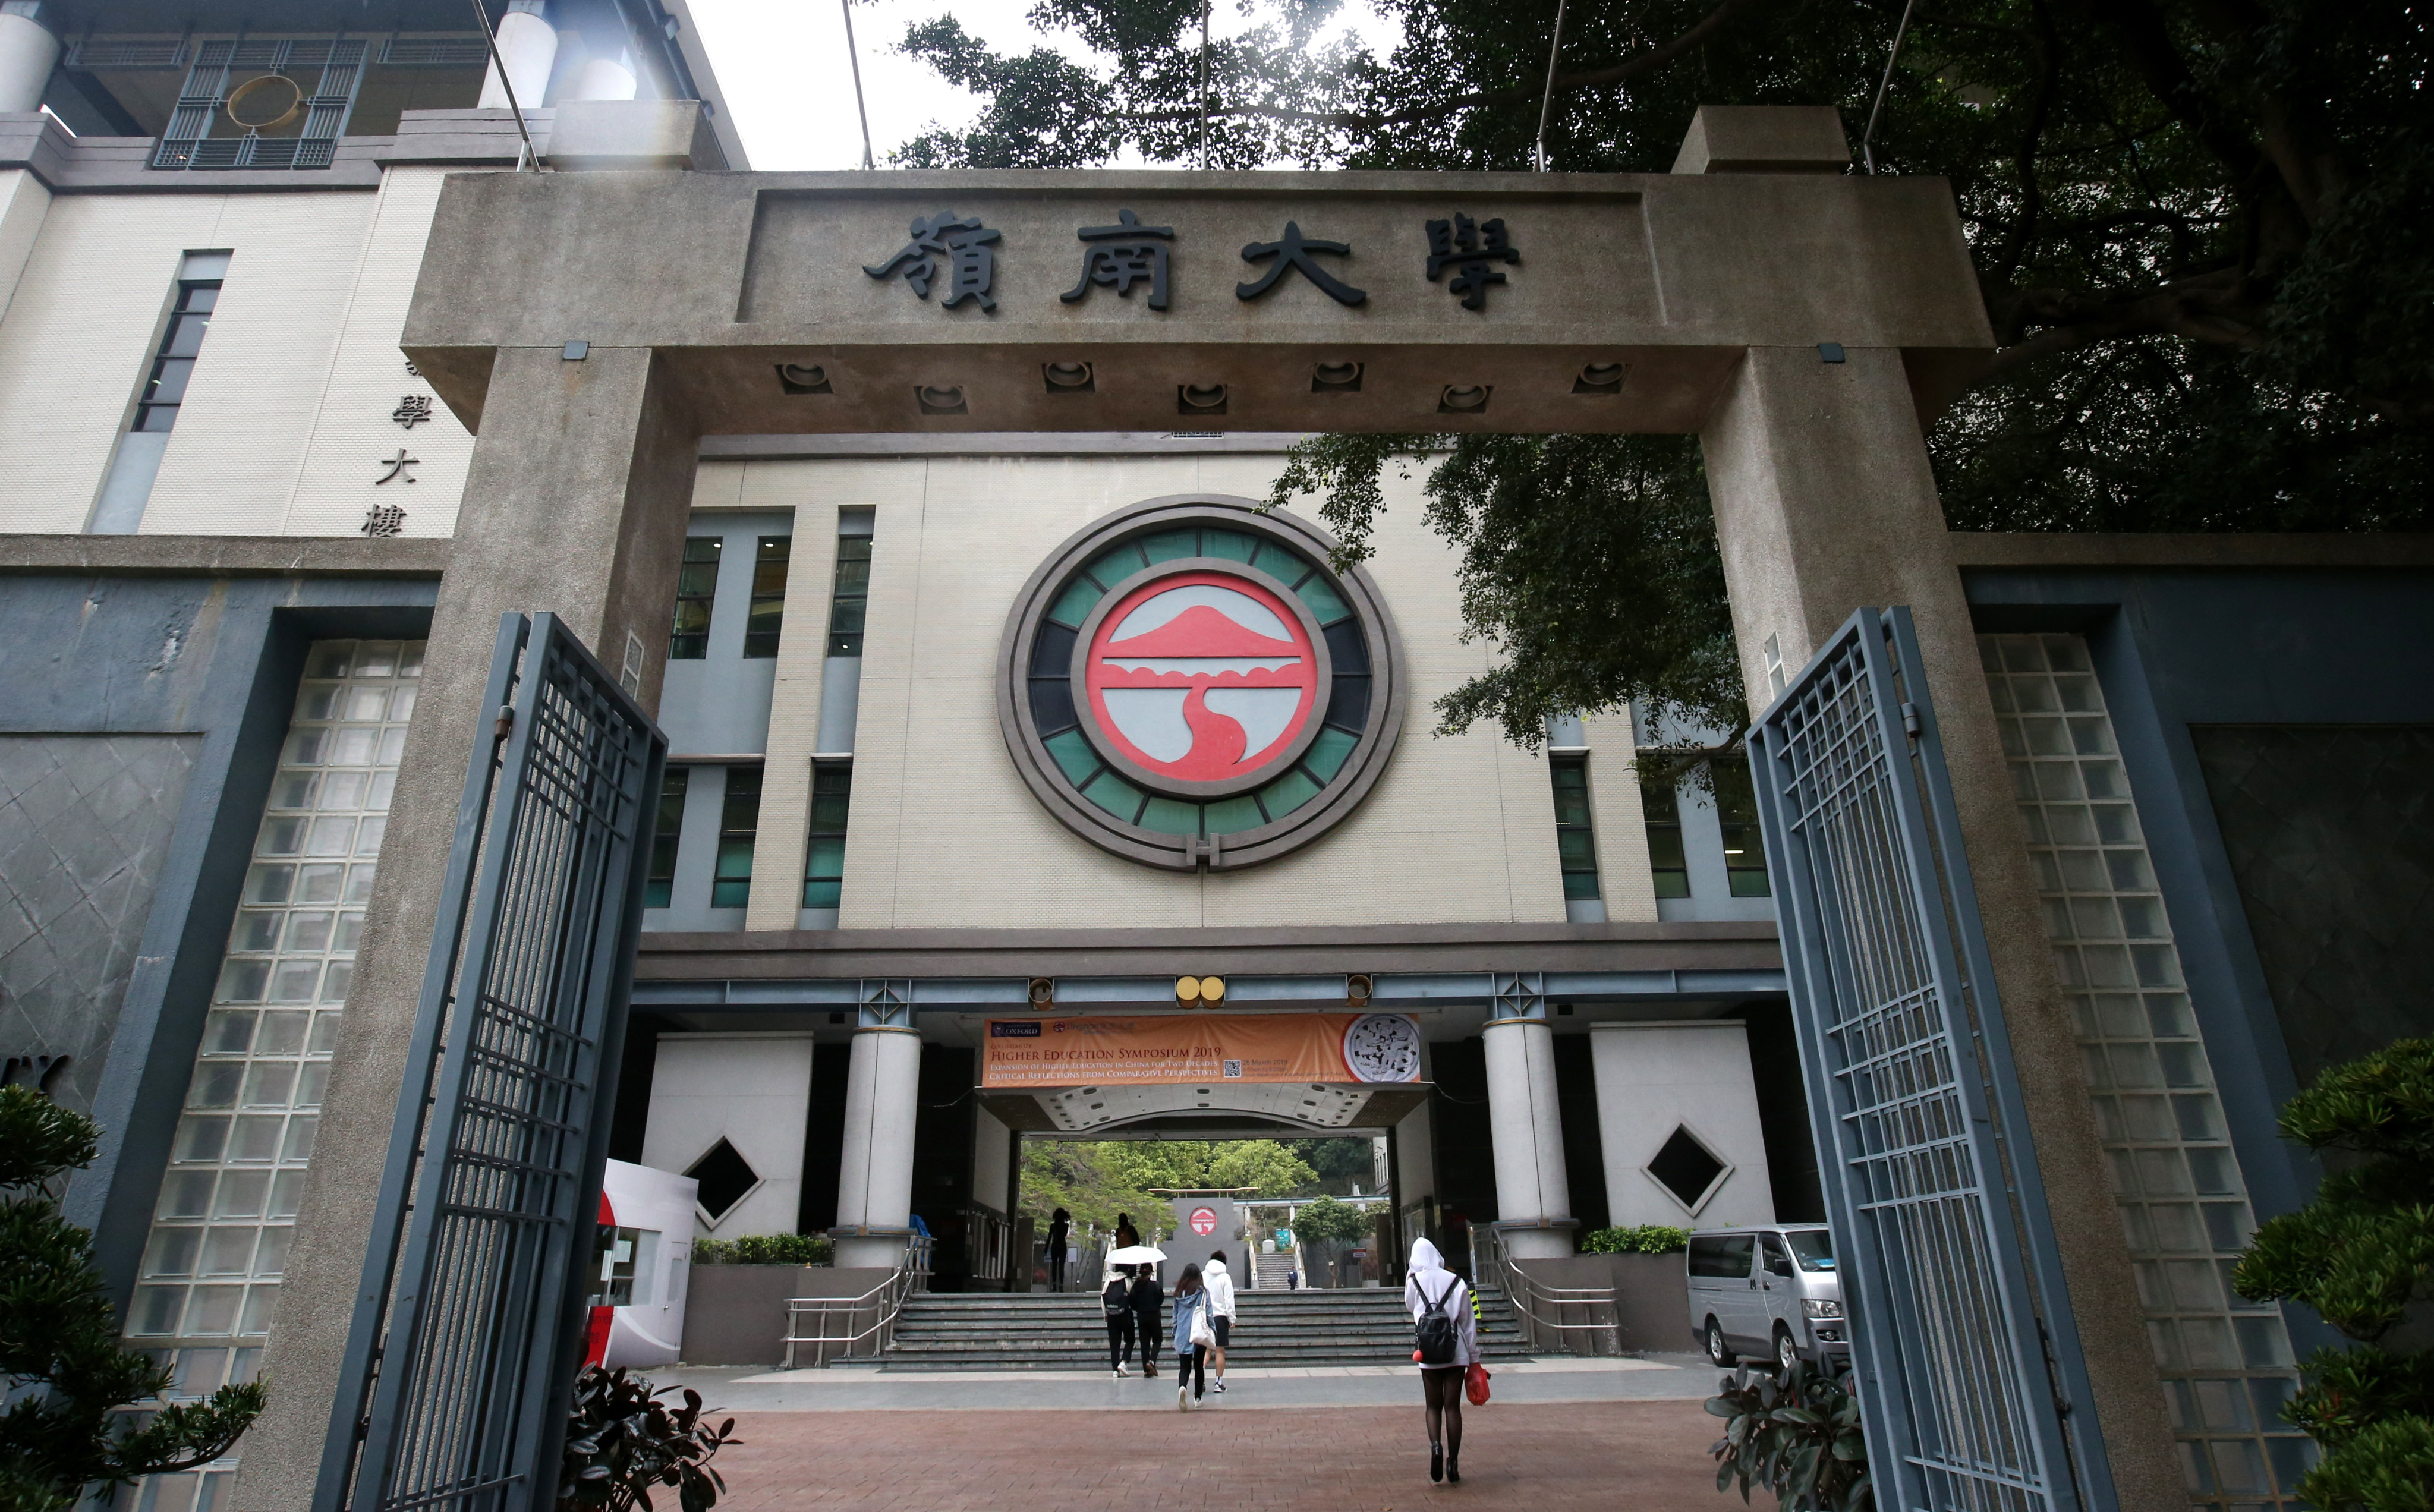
[982,1331]
[1273,1271]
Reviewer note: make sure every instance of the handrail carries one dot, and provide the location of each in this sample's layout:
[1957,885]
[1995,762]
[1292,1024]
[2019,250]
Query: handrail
[1532,1298]
[884,1302]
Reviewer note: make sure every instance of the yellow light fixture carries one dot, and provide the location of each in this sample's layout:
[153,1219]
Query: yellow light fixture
[1200,989]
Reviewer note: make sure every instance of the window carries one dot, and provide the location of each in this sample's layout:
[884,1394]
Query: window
[1666,862]
[165,389]
[739,824]
[696,586]
[1724,1257]
[824,865]
[850,596]
[1575,843]
[207,1287]
[1744,850]
[660,887]
[767,615]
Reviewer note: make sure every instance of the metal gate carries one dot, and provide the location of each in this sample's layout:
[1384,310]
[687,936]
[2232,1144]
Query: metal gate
[468,1326]
[1967,1355]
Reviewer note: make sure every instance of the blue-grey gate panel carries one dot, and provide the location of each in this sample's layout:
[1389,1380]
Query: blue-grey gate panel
[468,1326]
[1962,1339]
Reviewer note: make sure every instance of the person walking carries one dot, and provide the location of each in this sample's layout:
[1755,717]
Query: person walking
[1147,1299]
[1192,1330]
[1126,1235]
[1444,1334]
[1220,1282]
[1115,1300]
[1060,1227]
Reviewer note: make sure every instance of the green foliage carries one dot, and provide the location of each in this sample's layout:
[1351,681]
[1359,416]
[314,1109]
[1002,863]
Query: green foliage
[1095,1179]
[764,1250]
[1326,1218]
[1555,532]
[1796,1434]
[621,1440]
[2202,235]
[61,1363]
[2365,1247]
[1648,1239]
[2360,1254]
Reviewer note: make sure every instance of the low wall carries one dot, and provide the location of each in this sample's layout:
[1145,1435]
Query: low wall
[736,1314]
[1651,1307]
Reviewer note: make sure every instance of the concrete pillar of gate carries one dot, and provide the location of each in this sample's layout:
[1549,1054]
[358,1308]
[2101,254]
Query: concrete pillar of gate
[1825,501]
[1534,1203]
[576,503]
[528,45]
[29,49]
[875,1177]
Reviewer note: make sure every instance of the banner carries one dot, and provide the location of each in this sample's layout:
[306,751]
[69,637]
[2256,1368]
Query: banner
[1180,1047]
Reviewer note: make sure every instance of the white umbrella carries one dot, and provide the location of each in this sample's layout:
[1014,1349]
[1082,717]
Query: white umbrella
[1136,1255]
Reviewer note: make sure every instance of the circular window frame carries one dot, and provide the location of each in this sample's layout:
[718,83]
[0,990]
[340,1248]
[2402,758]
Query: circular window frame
[1228,851]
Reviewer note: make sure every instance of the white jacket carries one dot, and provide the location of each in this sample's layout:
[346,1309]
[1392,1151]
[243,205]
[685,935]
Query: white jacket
[1220,1282]
[1429,1281]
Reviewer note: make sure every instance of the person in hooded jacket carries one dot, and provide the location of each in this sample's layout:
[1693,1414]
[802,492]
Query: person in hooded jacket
[1429,1287]
[1191,1359]
[1148,1300]
[1220,1282]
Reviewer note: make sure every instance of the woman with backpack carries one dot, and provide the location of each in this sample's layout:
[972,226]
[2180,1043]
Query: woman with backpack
[1147,1299]
[1445,1340]
[1193,1336]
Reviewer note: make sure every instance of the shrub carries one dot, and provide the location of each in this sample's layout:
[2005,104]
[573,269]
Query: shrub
[1648,1239]
[2359,1254]
[621,1440]
[764,1250]
[62,1368]
[1796,1434]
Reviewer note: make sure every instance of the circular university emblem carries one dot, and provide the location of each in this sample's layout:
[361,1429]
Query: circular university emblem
[1204,1221]
[1186,683]
[1382,1047]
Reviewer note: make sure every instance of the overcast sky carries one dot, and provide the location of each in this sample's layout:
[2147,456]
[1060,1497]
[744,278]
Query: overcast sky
[782,65]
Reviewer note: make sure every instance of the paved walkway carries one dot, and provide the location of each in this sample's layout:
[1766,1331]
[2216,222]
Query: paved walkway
[1612,1457]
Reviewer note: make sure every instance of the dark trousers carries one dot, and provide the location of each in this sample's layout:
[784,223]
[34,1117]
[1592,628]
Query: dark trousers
[1192,1368]
[1146,1324]
[1056,1267]
[1120,1340]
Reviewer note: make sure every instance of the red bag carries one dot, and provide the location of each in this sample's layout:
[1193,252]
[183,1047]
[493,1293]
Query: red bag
[1477,1388]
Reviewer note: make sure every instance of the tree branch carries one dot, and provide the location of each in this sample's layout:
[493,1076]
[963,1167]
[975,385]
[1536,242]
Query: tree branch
[2211,307]
[1714,22]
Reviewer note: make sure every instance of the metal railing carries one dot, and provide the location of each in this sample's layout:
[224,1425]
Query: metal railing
[1575,1319]
[838,1329]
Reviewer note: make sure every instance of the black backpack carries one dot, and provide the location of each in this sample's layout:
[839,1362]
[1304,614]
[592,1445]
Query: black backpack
[1114,1300]
[1434,1335]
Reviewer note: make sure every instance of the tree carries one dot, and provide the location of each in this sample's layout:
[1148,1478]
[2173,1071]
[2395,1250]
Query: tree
[2202,228]
[2360,1254]
[1095,1179]
[68,1381]
[1326,1219]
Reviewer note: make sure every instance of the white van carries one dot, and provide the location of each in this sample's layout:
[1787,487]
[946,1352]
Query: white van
[1769,1291]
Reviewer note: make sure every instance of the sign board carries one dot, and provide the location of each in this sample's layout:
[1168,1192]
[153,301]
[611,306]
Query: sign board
[1203,1221]
[1198,1047]
[1202,1227]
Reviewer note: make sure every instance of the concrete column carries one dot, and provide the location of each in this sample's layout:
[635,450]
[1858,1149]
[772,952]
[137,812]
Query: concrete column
[29,49]
[1824,502]
[875,1179]
[528,45]
[576,503]
[1534,1203]
[605,78]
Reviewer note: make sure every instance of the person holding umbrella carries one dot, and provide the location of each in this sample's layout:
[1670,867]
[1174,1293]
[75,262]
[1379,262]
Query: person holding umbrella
[1145,1297]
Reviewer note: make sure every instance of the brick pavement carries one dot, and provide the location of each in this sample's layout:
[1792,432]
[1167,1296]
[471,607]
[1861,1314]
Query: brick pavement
[1615,1456]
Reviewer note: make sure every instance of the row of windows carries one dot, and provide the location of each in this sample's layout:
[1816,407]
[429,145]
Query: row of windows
[739,832]
[1737,815]
[765,614]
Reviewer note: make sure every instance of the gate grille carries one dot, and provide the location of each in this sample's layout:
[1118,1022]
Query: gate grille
[1965,1352]
[465,1331]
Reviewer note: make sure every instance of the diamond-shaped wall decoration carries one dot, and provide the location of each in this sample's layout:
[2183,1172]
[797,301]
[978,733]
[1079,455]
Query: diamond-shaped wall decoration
[1688,1170]
[726,1178]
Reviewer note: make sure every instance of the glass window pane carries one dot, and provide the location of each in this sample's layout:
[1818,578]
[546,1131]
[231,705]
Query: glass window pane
[1326,606]
[1073,755]
[1115,795]
[1167,545]
[1229,816]
[1287,793]
[1074,606]
[1328,752]
[1170,816]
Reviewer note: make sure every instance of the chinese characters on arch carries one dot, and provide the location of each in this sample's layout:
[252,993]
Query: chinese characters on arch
[962,252]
